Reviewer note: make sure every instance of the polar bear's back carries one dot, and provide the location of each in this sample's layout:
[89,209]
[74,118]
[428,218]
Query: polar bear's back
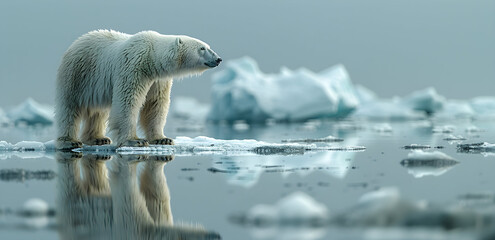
[87,66]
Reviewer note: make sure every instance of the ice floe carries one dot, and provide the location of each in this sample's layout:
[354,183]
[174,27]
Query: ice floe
[420,163]
[184,146]
[31,112]
[313,140]
[242,92]
[482,147]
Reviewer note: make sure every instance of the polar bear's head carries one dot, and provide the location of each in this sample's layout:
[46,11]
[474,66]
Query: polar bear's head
[195,55]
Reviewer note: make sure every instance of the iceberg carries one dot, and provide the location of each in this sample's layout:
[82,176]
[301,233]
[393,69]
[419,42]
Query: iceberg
[484,107]
[32,113]
[455,109]
[427,100]
[4,120]
[242,92]
[387,110]
[189,108]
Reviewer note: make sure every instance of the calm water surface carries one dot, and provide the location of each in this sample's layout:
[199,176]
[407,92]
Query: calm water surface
[200,195]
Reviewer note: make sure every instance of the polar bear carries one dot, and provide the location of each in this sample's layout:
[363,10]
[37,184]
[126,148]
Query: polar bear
[110,75]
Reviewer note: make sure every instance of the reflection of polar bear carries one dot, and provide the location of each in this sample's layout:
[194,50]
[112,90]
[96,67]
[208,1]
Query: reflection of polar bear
[92,208]
[107,73]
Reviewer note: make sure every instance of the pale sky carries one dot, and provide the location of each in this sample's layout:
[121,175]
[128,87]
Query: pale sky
[392,47]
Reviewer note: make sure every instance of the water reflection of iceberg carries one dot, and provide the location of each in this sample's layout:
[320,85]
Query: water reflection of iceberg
[246,171]
[91,206]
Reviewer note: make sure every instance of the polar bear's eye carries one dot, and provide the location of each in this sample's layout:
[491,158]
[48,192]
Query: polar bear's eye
[202,48]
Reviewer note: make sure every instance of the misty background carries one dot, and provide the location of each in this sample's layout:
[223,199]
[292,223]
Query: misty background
[390,46]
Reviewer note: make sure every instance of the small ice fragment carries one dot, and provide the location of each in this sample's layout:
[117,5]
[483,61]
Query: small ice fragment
[444,129]
[32,113]
[452,137]
[35,207]
[473,129]
[240,126]
[29,146]
[5,146]
[416,146]
[314,140]
[383,128]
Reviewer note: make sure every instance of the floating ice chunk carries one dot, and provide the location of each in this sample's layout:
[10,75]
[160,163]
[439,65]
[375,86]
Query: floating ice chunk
[473,129]
[189,108]
[420,163]
[29,146]
[452,137]
[243,92]
[31,113]
[476,147]
[444,129]
[35,207]
[314,140]
[383,128]
[427,100]
[296,209]
[419,155]
[387,110]
[416,146]
[483,106]
[5,146]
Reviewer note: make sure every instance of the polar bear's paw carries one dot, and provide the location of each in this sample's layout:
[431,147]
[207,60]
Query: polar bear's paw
[163,141]
[135,143]
[98,141]
[65,143]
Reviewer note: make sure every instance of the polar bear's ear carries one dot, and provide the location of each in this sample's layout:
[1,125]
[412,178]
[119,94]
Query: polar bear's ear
[178,41]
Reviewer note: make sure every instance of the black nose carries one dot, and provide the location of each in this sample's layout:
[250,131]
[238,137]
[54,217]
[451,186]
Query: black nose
[219,60]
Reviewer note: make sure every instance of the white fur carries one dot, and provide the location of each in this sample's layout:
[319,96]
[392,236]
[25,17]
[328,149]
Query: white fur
[108,74]
[92,207]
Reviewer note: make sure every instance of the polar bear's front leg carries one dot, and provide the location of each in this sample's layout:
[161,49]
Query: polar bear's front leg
[154,113]
[128,97]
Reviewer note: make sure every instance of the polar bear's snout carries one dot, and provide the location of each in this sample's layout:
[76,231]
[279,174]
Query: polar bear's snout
[214,59]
